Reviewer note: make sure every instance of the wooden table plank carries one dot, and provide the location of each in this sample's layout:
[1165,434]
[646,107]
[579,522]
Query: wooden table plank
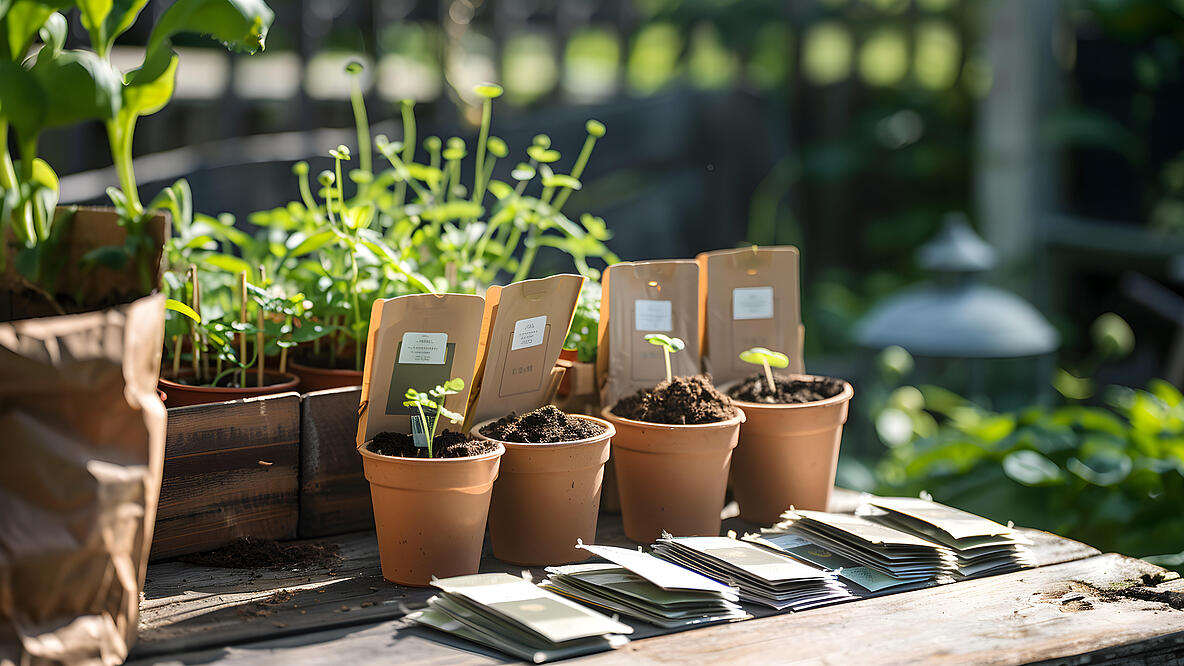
[187,607]
[1052,612]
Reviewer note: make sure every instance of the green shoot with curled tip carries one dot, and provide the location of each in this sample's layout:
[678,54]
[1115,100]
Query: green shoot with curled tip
[669,345]
[434,399]
[767,358]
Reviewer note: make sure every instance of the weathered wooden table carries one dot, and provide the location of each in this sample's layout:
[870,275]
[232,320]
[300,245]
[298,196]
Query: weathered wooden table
[1074,608]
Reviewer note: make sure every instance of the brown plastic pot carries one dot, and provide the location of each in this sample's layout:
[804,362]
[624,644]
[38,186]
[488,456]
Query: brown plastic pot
[672,477]
[182,395]
[313,378]
[429,513]
[546,497]
[788,455]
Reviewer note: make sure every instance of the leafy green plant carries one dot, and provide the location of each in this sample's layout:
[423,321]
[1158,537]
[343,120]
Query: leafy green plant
[434,400]
[581,336]
[669,346]
[1111,475]
[767,358]
[58,87]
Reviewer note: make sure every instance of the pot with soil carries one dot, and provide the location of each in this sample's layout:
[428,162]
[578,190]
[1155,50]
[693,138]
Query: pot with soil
[430,507]
[789,444]
[181,390]
[318,372]
[672,452]
[547,494]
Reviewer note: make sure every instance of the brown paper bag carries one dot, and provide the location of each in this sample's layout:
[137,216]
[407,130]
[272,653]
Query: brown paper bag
[417,341]
[522,334]
[751,298]
[640,298]
[81,453]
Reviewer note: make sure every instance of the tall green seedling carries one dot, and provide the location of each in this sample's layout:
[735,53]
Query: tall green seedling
[434,400]
[669,345]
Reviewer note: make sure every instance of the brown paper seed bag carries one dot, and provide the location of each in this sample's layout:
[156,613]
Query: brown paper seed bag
[751,298]
[640,298]
[417,341]
[523,332]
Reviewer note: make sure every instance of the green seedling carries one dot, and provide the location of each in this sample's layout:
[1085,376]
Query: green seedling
[669,345]
[767,358]
[434,399]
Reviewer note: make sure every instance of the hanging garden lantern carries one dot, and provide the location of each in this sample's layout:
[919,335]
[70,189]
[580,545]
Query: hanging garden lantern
[978,340]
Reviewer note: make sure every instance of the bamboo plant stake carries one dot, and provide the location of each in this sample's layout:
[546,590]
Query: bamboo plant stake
[242,336]
[193,325]
[177,355]
[259,333]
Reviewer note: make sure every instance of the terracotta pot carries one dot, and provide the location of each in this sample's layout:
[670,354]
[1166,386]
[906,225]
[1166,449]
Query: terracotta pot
[788,455]
[182,395]
[610,497]
[313,378]
[429,513]
[672,477]
[546,497]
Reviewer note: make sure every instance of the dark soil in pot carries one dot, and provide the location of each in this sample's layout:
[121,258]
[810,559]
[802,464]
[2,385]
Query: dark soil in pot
[547,424]
[448,444]
[787,391]
[232,380]
[249,553]
[680,401]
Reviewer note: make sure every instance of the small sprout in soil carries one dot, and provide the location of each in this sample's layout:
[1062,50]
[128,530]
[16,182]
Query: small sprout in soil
[434,399]
[769,359]
[669,345]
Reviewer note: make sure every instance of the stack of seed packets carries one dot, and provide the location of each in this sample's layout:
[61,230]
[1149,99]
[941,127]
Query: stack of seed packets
[647,588]
[861,580]
[982,547]
[889,551]
[514,616]
[764,577]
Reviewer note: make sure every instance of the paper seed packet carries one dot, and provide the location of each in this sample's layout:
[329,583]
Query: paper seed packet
[525,324]
[515,616]
[417,341]
[982,547]
[639,298]
[750,297]
[764,577]
[859,578]
[645,587]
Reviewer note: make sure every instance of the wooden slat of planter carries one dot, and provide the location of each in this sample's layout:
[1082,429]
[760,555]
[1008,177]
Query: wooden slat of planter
[1052,612]
[334,495]
[230,470]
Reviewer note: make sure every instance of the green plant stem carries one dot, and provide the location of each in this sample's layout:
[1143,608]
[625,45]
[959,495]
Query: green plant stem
[577,170]
[423,420]
[408,147]
[532,249]
[482,139]
[769,375]
[666,353]
[306,193]
[7,171]
[362,122]
[121,152]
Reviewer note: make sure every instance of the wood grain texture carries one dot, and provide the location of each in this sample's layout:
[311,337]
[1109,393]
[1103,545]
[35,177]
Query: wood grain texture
[334,494]
[231,469]
[1054,613]
[189,608]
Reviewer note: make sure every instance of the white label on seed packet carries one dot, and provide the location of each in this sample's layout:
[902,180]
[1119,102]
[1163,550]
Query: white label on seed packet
[752,303]
[423,348]
[651,316]
[418,435]
[528,332]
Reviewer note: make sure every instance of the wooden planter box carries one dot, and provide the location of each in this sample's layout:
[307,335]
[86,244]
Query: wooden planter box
[231,469]
[334,494]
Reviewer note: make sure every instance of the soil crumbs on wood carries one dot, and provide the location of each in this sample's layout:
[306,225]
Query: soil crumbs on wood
[448,444]
[547,424]
[265,607]
[788,391]
[248,553]
[680,401]
[1140,592]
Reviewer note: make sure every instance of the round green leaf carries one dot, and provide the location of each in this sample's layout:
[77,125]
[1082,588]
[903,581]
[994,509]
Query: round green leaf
[488,90]
[1031,469]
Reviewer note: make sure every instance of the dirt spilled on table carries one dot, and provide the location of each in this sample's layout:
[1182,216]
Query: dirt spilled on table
[249,553]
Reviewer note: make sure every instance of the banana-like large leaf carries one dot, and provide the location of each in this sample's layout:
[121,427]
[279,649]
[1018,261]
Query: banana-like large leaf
[241,25]
[150,87]
[22,100]
[22,21]
[107,19]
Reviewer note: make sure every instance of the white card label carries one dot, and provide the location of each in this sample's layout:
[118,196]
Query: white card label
[752,303]
[528,332]
[653,316]
[419,436]
[423,348]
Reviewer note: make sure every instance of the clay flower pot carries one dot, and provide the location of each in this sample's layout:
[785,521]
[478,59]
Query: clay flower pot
[429,513]
[313,378]
[181,395]
[546,497]
[672,477]
[788,454]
